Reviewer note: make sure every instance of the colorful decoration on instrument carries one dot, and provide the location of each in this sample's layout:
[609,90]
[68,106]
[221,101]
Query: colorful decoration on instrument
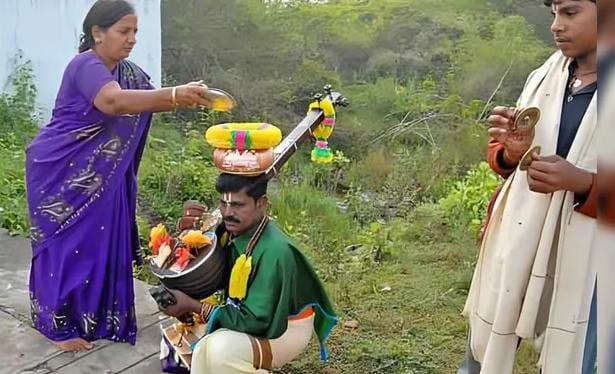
[176,251]
[321,153]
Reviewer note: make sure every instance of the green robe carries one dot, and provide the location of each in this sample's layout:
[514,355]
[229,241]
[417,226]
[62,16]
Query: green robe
[282,284]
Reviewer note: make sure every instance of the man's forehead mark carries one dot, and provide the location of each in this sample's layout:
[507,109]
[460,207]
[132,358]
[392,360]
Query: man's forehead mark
[227,197]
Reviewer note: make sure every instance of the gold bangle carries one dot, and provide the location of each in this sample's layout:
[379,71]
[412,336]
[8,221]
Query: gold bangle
[174,96]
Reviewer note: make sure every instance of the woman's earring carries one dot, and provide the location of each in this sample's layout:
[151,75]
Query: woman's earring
[97,41]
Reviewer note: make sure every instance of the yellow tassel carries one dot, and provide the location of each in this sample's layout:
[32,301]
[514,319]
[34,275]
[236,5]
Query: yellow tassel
[239,277]
[224,239]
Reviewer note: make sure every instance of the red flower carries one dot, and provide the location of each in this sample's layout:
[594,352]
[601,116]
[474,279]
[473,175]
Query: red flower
[182,257]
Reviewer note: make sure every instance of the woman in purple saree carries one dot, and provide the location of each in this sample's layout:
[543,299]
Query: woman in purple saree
[81,177]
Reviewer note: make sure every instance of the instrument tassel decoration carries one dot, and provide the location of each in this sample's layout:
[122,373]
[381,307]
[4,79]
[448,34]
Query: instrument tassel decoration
[322,154]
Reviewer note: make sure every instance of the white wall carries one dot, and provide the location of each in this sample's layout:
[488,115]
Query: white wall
[47,31]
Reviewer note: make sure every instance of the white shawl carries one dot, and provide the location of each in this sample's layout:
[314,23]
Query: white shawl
[534,274]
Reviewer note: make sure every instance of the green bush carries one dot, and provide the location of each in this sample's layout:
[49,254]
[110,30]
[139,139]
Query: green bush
[13,207]
[17,127]
[174,171]
[466,203]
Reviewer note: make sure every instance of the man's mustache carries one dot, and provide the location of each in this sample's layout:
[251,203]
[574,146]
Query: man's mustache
[231,220]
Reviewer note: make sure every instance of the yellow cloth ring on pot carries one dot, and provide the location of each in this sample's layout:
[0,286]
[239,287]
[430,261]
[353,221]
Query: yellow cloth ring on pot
[243,136]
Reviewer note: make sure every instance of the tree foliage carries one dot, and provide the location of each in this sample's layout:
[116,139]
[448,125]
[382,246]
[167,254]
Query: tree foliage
[273,55]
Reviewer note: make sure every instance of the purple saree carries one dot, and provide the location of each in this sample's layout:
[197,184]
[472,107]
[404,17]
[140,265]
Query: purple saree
[81,172]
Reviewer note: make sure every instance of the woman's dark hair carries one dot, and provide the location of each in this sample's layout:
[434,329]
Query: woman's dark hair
[104,14]
[255,186]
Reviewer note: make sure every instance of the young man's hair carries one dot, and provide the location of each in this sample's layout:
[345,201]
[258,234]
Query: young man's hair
[256,187]
[549,3]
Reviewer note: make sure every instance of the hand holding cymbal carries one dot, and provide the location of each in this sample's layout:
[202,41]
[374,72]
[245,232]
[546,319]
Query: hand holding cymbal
[514,129]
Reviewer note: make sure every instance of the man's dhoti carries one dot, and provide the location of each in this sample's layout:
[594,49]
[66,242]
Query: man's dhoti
[230,352]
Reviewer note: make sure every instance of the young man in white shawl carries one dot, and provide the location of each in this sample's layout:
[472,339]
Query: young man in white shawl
[605,256]
[535,277]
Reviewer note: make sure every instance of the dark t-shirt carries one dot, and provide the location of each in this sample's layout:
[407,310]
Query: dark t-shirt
[573,110]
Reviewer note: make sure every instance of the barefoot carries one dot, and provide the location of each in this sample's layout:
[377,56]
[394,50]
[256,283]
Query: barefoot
[74,345]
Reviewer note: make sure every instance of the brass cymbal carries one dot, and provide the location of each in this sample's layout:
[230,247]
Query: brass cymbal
[221,101]
[526,119]
[526,160]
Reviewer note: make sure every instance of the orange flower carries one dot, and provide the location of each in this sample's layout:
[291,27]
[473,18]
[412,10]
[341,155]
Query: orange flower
[159,241]
[157,237]
[195,239]
[156,232]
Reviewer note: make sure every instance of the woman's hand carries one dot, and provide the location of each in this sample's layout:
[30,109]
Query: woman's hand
[190,95]
[115,101]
